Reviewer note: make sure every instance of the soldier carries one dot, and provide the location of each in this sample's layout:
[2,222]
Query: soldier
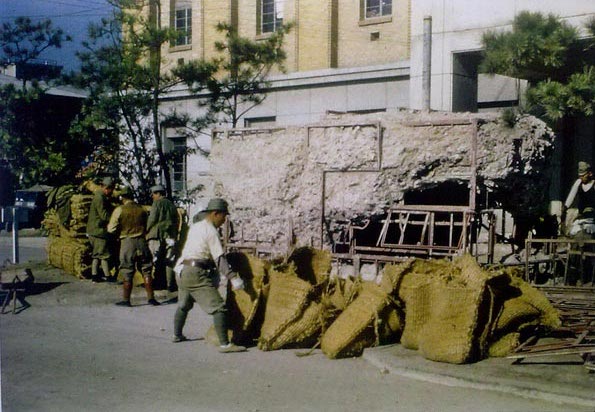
[162,232]
[129,221]
[99,214]
[199,268]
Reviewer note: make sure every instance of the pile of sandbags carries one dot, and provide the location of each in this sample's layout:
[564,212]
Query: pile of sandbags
[66,221]
[450,311]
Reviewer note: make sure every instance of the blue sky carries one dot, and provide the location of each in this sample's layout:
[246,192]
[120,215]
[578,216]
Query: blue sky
[72,16]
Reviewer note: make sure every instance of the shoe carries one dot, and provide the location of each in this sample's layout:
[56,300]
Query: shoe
[124,303]
[96,279]
[230,348]
[153,302]
[111,279]
[180,338]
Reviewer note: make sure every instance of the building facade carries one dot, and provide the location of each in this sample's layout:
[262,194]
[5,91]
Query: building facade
[357,56]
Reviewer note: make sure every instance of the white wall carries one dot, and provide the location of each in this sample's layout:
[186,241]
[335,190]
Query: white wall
[457,26]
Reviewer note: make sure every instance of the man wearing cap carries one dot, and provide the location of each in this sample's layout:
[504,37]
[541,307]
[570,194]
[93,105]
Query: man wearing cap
[99,214]
[583,193]
[162,232]
[129,221]
[199,267]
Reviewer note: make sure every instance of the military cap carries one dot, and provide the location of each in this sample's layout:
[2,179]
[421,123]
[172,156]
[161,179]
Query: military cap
[217,204]
[583,167]
[126,192]
[157,189]
[108,182]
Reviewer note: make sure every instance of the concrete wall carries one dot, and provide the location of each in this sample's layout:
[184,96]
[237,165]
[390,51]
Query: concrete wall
[352,167]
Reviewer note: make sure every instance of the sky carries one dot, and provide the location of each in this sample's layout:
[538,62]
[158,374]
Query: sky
[72,16]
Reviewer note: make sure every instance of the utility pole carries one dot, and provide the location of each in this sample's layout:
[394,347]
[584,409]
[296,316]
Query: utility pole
[427,63]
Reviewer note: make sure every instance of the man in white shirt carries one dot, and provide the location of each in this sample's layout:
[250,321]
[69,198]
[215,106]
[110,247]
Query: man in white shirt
[199,268]
[583,193]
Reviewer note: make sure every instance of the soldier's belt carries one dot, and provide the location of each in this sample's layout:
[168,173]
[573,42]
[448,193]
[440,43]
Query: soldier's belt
[199,263]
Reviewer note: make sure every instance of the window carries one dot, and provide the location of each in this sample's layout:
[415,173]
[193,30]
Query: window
[266,121]
[182,22]
[178,145]
[271,15]
[377,8]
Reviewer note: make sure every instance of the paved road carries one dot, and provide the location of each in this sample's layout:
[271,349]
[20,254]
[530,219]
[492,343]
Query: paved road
[73,350]
[30,248]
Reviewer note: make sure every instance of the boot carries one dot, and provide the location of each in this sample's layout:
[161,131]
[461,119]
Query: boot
[126,292]
[95,278]
[149,289]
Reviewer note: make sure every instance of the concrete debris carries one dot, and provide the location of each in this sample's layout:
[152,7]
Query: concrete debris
[348,168]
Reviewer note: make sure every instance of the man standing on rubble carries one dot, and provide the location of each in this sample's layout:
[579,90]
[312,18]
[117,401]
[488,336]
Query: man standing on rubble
[162,232]
[583,192]
[99,214]
[199,269]
[129,221]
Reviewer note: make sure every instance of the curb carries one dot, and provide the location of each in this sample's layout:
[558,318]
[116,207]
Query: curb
[387,359]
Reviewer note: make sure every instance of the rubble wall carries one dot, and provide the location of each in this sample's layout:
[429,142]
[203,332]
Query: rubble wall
[347,167]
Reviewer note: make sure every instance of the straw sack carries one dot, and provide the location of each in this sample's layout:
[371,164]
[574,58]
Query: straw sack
[524,306]
[504,345]
[342,292]
[291,317]
[244,305]
[449,313]
[372,318]
[361,324]
[312,265]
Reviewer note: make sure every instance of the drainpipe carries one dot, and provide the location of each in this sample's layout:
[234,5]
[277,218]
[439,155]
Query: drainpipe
[427,63]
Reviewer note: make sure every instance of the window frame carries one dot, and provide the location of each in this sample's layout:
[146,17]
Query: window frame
[185,7]
[383,16]
[179,168]
[278,9]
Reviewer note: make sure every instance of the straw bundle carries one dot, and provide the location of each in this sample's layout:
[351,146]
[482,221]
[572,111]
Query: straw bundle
[368,320]
[289,297]
[72,256]
[312,265]
[523,306]
[244,305]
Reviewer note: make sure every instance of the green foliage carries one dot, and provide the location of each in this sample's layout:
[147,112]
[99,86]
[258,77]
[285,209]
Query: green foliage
[549,54]
[34,136]
[574,98]
[509,116]
[34,140]
[121,68]
[24,41]
[538,47]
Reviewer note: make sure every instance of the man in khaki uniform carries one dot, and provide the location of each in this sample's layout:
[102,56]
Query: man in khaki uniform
[129,221]
[162,232]
[99,214]
[199,268]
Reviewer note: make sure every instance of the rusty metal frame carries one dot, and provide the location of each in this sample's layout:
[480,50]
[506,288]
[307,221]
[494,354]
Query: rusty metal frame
[559,251]
[384,251]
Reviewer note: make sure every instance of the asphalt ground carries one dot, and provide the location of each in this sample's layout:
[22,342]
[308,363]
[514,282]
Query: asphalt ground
[560,379]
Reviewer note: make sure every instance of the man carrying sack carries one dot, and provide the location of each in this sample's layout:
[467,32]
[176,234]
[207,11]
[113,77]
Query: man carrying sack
[199,269]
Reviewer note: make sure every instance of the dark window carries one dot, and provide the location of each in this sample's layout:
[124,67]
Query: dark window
[378,8]
[183,22]
[271,15]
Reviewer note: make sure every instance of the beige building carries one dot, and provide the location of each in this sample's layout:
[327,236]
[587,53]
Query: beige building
[358,56]
[327,33]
